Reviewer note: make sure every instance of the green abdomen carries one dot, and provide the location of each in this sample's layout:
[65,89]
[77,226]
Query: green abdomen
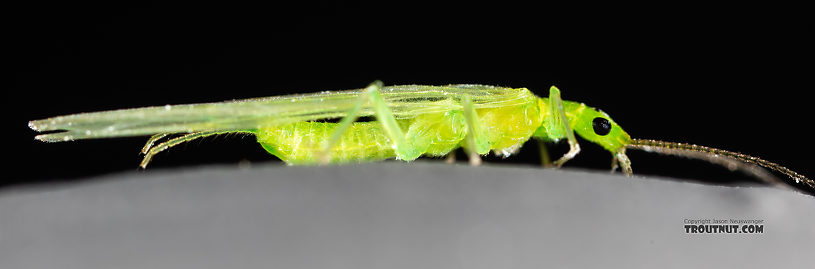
[302,142]
[434,134]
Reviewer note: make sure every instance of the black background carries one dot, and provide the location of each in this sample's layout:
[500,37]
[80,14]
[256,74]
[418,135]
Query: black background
[735,77]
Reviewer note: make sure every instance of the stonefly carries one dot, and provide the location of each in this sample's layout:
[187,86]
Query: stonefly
[410,121]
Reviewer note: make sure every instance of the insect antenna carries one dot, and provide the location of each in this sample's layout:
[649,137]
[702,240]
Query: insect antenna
[731,160]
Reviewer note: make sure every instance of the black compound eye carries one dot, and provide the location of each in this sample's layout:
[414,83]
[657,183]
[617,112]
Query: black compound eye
[601,126]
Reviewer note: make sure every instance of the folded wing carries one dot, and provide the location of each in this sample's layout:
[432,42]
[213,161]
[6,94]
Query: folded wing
[250,114]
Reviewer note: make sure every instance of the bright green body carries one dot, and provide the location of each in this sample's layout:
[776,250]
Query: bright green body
[410,121]
[506,128]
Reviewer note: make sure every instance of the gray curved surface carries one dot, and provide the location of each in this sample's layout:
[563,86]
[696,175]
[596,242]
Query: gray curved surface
[395,215]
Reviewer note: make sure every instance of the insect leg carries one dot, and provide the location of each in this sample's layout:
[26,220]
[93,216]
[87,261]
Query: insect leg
[384,116]
[561,123]
[152,141]
[351,116]
[614,163]
[450,158]
[544,153]
[621,158]
[475,141]
[174,142]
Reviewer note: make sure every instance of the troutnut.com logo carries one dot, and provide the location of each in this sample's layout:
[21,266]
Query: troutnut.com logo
[724,226]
